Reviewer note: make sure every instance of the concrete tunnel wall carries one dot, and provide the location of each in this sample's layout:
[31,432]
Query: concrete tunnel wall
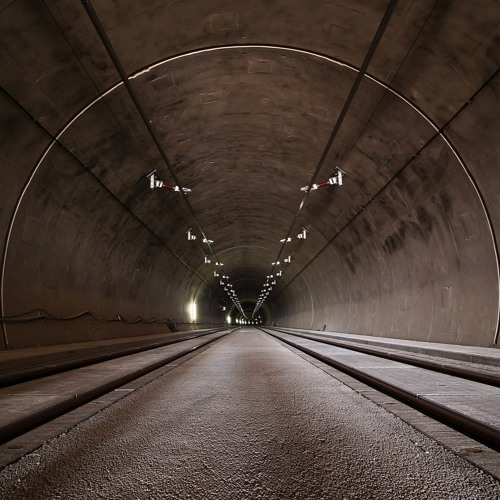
[244,97]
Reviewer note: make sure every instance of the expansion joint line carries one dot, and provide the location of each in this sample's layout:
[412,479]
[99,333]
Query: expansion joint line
[347,104]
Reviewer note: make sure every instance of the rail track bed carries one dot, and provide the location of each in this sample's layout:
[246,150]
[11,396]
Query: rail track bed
[467,400]
[27,405]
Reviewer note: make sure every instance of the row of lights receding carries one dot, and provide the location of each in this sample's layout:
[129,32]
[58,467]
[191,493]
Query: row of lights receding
[218,273]
[154,183]
[271,281]
[249,321]
[335,180]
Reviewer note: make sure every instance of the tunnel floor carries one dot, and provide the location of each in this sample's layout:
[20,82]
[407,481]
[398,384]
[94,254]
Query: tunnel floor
[246,418]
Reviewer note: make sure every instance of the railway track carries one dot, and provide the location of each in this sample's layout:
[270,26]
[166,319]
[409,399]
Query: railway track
[465,399]
[30,404]
[482,376]
[43,369]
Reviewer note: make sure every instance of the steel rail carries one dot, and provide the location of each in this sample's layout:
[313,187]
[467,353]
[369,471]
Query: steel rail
[8,377]
[465,372]
[480,431]
[22,425]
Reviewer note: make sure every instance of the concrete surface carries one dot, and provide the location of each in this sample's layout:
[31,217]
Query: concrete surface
[40,398]
[245,419]
[473,400]
[243,97]
[32,358]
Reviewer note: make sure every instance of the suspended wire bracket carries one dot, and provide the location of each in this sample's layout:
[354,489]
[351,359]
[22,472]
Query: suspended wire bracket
[301,236]
[193,237]
[335,179]
[155,182]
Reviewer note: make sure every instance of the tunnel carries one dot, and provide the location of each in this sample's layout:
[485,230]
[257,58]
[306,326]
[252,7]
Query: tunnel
[327,165]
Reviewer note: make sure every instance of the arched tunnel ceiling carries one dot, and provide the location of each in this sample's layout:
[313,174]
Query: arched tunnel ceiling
[243,97]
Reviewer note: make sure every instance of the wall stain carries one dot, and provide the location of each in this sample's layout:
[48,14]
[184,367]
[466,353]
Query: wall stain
[392,243]
[425,221]
[446,201]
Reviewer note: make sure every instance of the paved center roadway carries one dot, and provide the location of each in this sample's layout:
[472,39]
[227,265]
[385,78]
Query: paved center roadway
[245,419]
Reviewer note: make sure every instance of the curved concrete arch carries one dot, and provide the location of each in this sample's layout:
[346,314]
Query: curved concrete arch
[411,236]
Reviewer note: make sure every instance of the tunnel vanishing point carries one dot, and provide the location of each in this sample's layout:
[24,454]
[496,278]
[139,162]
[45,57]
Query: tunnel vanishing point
[328,164]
